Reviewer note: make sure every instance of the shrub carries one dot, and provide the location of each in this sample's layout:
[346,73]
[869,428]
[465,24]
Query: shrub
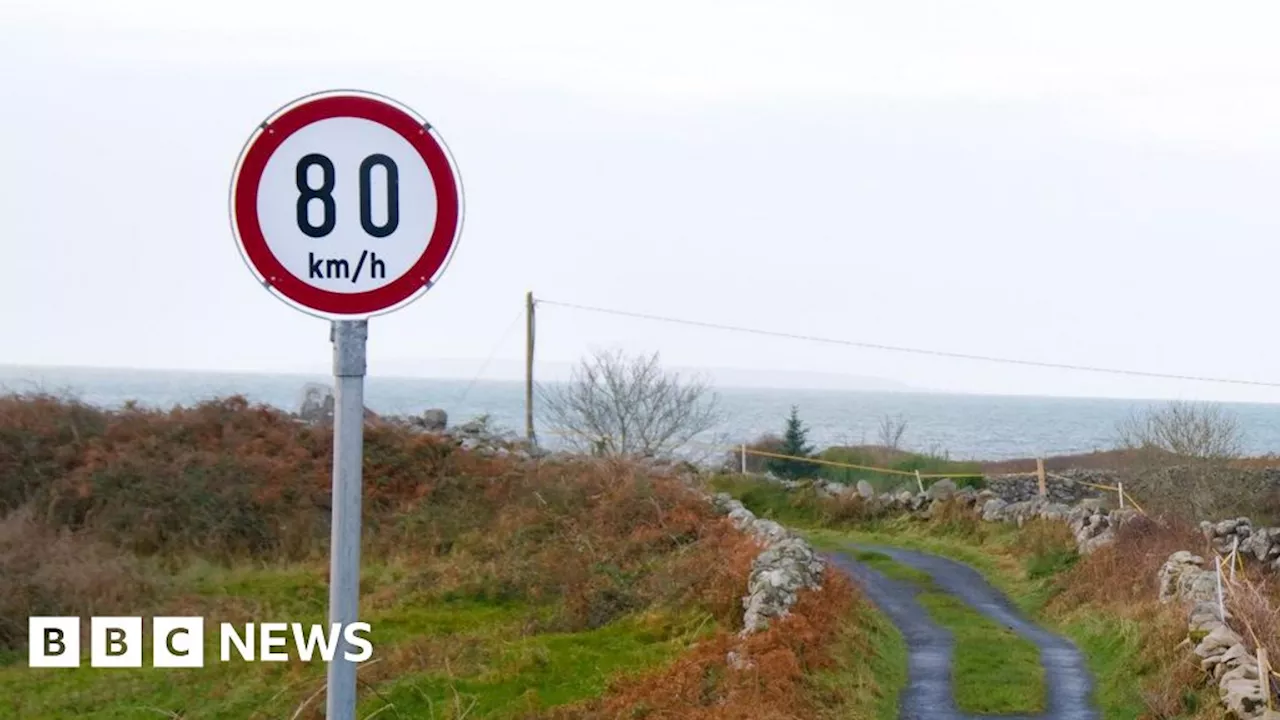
[614,405]
[1183,430]
[904,462]
[42,437]
[45,571]
[703,685]
[756,464]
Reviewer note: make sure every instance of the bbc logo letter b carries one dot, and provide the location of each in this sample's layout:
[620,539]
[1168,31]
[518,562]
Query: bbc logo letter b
[55,642]
[115,642]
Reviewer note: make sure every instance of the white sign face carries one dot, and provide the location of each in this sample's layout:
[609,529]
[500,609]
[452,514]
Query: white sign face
[346,205]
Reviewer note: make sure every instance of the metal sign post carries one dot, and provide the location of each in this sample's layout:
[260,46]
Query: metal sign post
[346,205]
[349,337]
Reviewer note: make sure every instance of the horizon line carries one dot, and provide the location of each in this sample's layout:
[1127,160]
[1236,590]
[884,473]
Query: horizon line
[905,390]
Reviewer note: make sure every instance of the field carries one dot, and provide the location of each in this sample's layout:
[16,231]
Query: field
[496,587]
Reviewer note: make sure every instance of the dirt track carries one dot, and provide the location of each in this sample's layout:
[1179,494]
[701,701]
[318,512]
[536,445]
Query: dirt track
[928,694]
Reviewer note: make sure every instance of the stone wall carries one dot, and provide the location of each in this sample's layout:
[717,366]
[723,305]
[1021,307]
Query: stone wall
[785,566]
[1067,488]
[1255,544]
[1221,650]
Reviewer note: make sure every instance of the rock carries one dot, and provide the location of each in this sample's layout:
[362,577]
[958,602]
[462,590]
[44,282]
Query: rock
[315,407]
[941,490]
[1054,511]
[434,420]
[1258,544]
[471,428]
[1091,504]
[1122,516]
[1218,641]
[1101,540]
[1241,668]
[1237,654]
[1225,527]
[866,490]
[992,509]
[1242,697]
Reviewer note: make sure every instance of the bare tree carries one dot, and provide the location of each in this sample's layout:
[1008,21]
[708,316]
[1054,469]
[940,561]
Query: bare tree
[1181,461]
[891,431]
[1196,431]
[616,405]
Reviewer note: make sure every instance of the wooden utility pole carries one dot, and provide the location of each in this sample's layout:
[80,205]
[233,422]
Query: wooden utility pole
[528,369]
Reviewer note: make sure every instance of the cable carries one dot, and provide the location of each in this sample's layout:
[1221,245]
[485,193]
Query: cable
[492,353]
[894,348]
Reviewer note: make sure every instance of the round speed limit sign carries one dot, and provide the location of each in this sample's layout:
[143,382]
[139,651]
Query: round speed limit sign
[346,204]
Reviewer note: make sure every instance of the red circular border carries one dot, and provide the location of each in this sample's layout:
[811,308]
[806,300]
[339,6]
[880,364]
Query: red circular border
[245,199]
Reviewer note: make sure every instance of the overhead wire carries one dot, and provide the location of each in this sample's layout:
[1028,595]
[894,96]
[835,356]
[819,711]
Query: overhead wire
[902,349]
[492,354]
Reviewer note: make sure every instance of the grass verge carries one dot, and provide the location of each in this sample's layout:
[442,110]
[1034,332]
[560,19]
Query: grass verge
[433,658]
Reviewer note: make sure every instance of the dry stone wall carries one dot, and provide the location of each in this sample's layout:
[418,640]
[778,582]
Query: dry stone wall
[785,566]
[1222,651]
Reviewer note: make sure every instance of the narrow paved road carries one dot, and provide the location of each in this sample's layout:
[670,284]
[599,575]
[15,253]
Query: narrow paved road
[928,695]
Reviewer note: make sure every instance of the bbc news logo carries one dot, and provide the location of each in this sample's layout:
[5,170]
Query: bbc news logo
[178,642]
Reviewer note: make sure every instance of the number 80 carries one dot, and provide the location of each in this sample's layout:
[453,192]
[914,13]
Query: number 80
[324,194]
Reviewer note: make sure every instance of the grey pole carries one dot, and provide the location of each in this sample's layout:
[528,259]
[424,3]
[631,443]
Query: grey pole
[348,337]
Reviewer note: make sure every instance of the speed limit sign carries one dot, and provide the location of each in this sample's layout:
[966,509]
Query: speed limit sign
[346,204]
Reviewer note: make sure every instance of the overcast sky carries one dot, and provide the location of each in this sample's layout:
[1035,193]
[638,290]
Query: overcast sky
[1092,183]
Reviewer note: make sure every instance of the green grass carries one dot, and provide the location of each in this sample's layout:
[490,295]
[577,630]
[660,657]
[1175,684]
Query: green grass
[433,658]
[903,462]
[538,671]
[994,670]
[869,669]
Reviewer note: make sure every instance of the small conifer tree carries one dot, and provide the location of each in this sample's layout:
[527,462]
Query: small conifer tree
[794,443]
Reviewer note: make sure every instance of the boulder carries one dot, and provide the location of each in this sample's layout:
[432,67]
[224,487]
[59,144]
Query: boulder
[434,420]
[315,406]
[941,490]
[992,509]
[1242,697]
[1182,577]
[1225,527]
[866,490]
[1258,544]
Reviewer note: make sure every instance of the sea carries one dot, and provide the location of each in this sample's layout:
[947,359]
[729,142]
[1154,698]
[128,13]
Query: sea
[986,427]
